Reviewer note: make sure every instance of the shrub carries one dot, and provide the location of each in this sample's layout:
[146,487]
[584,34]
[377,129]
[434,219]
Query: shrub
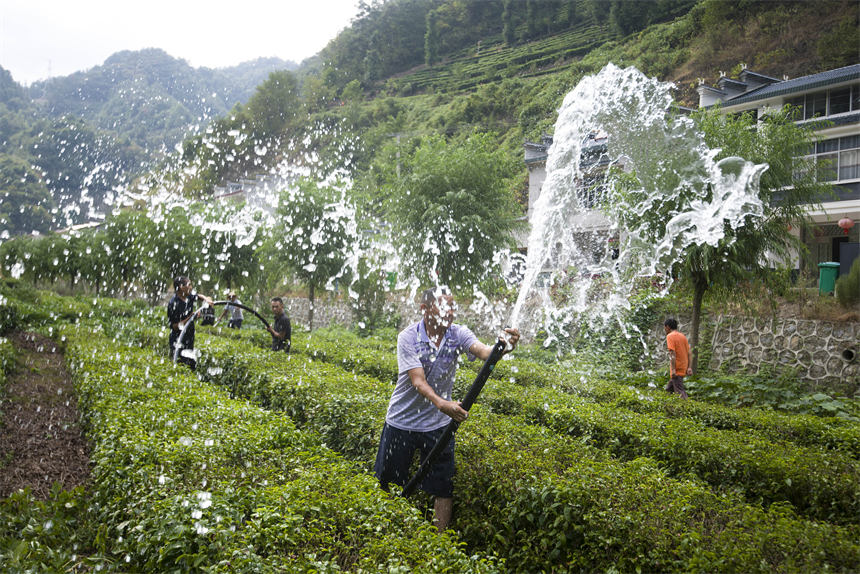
[770,389]
[46,535]
[848,287]
[547,502]
[185,479]
[9,316]
[7,359]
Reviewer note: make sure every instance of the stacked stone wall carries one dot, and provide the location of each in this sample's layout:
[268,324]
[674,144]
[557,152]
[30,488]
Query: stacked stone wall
[482,320]
[326,313]
[824,353]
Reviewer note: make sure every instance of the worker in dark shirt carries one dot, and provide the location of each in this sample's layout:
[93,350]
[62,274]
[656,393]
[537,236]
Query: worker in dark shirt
[282,330]
[180,309]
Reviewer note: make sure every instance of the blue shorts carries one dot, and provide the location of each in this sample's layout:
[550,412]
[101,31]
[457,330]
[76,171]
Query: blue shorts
[396,451]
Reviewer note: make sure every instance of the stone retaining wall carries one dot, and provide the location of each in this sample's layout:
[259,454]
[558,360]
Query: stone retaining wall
[326,313]
[826,353]
[484,320]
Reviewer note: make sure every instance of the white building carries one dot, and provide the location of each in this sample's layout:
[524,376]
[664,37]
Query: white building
[830,101]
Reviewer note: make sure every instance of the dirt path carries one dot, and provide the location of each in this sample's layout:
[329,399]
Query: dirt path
[40,439]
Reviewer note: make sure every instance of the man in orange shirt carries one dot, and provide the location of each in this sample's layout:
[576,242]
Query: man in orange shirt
[679,357]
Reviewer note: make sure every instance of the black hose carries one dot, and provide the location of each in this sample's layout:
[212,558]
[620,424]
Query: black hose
[240,306]
[466,403]
[196,314]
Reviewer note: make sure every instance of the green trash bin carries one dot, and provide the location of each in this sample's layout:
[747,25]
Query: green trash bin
[827,274]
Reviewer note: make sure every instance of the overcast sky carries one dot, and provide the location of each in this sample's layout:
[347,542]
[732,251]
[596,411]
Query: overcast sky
[44,38]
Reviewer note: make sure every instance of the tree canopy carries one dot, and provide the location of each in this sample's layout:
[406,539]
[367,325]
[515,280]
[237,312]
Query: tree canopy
[314,235]
[454,208]
[787,189]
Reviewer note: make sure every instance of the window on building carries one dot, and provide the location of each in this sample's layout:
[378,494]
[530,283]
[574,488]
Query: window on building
[594,162]
[816,105]
[826,158]
[849,164]
[592,190]
[836,159]
[849,157]
[805,149]
[826,166]
[849,142]
[753,113]
[796,106]
[827,146]
[840,101]
[826,102]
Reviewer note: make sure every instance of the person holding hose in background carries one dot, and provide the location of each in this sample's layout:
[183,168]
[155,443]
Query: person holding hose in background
[235,312]
[421,407]
[180,309]
[282,330]
[679,357]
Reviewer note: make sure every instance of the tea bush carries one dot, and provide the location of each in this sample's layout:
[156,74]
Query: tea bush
[823,484]
[46,535]
[186,479]
[372,359]
[7,360]
[7,364]
[544,501]
[9,316]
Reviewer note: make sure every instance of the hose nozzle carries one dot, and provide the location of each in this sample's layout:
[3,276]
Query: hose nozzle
[506,338]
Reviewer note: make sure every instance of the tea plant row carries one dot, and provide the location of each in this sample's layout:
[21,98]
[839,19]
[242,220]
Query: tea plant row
[186,479]
[540,499]
[372,358]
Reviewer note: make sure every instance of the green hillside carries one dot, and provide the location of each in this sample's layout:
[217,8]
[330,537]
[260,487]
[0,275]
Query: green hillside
[507,73]
[149,96]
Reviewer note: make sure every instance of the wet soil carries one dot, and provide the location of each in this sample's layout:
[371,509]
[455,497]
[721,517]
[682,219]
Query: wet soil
[40,439]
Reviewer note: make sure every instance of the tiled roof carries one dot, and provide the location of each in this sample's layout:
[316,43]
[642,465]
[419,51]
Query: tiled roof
[833,121]
[801,84]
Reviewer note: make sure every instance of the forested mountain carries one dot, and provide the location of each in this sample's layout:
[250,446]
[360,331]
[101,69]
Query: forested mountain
[420,45]
[407,69]
[393,37]
[149,96]
[67,142]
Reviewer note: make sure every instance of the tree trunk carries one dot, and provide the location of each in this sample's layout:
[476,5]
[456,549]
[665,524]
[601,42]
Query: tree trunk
[698,294]
[311,307]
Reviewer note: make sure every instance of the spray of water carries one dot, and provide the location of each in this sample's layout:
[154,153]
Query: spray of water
[630,185]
